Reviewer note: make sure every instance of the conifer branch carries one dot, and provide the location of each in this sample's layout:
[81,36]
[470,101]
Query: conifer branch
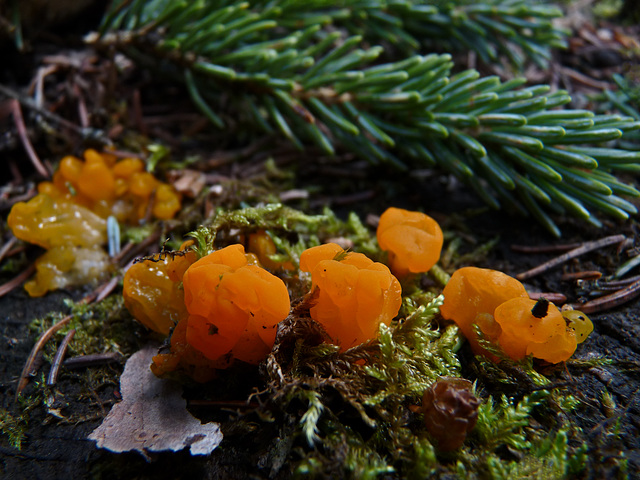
[321,87]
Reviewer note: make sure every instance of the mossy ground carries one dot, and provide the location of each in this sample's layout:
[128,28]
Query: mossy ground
[328,417]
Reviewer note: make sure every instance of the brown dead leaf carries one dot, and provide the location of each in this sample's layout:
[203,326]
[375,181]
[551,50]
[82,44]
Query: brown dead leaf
[152,415]
[188,182]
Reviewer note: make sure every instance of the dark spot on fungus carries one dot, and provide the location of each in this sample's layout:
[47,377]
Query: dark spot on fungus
[541,308]
[212,329]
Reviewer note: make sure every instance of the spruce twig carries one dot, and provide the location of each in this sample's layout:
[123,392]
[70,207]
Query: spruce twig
[512,145]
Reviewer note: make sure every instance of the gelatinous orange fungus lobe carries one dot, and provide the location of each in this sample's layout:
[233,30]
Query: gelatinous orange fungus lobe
[184,357]
[471,297]
[413,240]
[152,291]
[354,293]
[234,306]
[537,328]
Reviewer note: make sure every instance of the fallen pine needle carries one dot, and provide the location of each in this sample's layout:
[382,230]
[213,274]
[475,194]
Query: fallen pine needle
[24,138]
[555,298]
[57,360]
[612,300]
[17,281]
[92,360]
[582,275]
[576,252]
[28,366]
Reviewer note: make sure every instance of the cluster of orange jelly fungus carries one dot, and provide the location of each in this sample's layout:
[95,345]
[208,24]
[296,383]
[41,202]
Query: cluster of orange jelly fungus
[67,217]
[108,186]
[354,294]
[499,305]
[234,306]
[413,240]
[152,291]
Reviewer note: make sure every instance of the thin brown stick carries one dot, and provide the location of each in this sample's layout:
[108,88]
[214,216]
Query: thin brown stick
[107,288]
[611,301]
[545,248]
[583,275]
[17,281]
[620,283]
[83,114]
[92,360]
[24,138]
[576,252]
[586,80]
[28,366]
[7,246]
[58,120]
[18,198]
[57,360]
[556,298]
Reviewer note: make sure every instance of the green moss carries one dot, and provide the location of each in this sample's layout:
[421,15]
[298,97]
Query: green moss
[13,427]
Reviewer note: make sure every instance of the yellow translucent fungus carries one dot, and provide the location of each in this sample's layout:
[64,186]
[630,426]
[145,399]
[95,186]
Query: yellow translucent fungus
[413,240]
[537,328]
[354,294]
[152,291]
[579,322]
[73,236]
[55,223]
[234,306]
[68,266]
[71,210]
[471,297]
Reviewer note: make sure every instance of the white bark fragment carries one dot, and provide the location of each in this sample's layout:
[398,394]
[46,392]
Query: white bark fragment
[152,415]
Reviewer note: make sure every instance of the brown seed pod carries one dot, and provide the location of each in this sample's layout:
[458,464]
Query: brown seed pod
[450,411]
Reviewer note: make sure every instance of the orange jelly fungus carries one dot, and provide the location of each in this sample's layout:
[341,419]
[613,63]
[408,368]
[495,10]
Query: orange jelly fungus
[413,240]
[234,306]
[185,358]
[471,297]
[354,293]
[262,246]
[152,291]
[499,305]
[544,335]
[109,186]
